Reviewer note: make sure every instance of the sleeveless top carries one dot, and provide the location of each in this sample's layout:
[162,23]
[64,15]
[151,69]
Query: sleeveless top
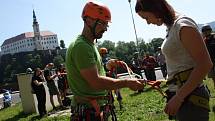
[177,57]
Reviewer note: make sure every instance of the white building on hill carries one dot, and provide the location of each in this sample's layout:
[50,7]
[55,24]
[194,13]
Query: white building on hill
[29,41]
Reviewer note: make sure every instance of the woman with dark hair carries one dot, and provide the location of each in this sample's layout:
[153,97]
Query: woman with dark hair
[62,82]
[38,88]
[187,64]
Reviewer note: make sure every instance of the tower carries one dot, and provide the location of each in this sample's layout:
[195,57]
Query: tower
[37,36]
[35,26]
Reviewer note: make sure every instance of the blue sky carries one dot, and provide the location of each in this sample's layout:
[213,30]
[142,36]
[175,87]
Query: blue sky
[63,17]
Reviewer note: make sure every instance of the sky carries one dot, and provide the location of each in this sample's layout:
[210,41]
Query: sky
[63,17]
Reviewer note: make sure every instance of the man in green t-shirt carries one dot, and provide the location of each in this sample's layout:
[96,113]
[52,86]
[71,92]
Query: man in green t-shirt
[85,72]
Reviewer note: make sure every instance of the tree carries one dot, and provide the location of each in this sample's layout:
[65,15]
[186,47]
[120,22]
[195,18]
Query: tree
[157,42]
[62,44]
[7,72]
[109,45]
[142,48]
[122,51]
[36,62]
[58,60]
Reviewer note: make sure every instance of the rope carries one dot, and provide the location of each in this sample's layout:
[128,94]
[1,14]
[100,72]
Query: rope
[154,84]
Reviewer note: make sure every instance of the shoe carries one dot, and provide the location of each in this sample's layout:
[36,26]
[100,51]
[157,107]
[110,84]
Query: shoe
[120,107]
[140,91]
[54,108]
[213,109]
[42,115]
[62,107]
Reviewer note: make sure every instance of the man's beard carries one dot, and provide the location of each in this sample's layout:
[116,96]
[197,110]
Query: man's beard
[99,35]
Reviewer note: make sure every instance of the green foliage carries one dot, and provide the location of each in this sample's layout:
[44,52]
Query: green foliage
[147,106]
[19,62]
[124,50]
[58,60]
[110,47]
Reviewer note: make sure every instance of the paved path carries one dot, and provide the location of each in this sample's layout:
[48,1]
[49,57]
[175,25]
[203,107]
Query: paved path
[15,99]
[60,113]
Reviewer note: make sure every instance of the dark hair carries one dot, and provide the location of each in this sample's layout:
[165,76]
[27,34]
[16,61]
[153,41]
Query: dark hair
[35,71]
[160,8]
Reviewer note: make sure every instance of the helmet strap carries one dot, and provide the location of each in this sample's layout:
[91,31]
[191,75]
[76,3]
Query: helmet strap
[93,28]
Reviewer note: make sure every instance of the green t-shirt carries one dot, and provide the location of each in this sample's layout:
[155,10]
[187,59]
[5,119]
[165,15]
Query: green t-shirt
[82,54]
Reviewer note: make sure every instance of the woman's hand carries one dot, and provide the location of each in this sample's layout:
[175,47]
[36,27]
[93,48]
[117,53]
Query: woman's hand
[173,105]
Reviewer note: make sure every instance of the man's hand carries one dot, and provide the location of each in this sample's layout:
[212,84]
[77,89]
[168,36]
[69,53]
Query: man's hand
[135,84]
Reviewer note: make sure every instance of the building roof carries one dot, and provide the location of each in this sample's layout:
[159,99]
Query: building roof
[25,36]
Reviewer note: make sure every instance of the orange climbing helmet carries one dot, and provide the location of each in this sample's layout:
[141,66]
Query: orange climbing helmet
[103,50]
[96,10]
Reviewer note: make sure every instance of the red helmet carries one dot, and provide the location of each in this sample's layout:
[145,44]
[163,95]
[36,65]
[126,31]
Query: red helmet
[96,10]
[103,50]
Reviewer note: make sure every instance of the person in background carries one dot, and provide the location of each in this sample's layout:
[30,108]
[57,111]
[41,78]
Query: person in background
[38,88]
[62,81]
[149,63]
[51,85]
[85,71]
[136,64]
[187,65]
[162,62]
[209,39]
[110,73]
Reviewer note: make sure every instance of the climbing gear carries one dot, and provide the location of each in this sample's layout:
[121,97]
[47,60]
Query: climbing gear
[199,101]
[193,98]
[180,78]
[135,31]
[101,113]
[156,85]
[96,10]
[114,63]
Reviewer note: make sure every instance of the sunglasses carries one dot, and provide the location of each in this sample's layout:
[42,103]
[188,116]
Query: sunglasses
[102,23]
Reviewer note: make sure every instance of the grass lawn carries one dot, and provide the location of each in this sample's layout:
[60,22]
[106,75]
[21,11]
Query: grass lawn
[147,106]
